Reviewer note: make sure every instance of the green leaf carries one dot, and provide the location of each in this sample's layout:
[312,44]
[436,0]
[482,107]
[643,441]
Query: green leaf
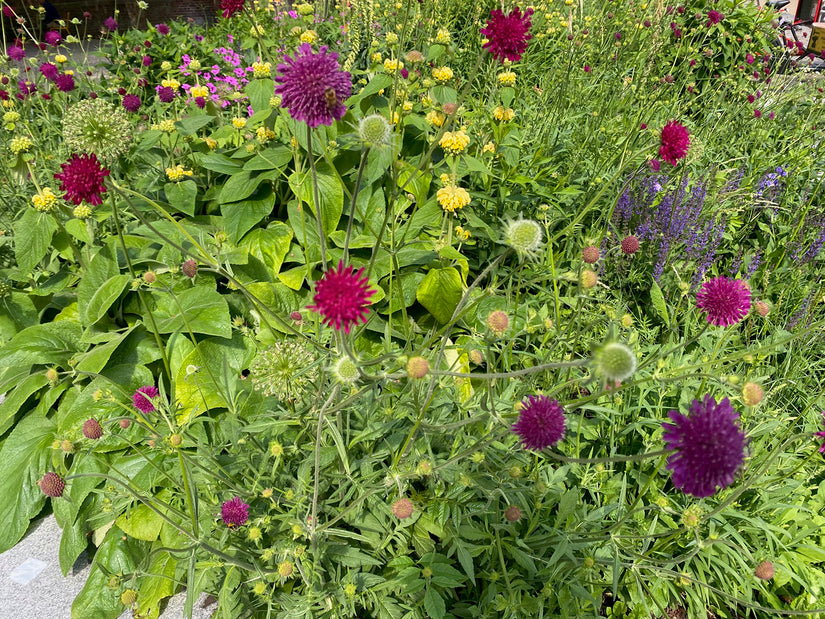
[101,269]
[270,246]
[182,196]
[15,399]
[440,292]
[243,184]
[103,298]
[273,158]
[330,191]
[32,236]
[658,300]
[229,602]
[378,82]
[72,543]
[239,217]
[157,585]
[218,162]
[205,309]
[191,124]
[141,523]
[260,91]
[25,457]
[434,604]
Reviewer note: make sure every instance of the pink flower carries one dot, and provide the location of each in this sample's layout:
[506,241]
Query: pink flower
[64,82]
[726,301]
[235,512]
[507,34]
[16,52]
[749,58]
[141,398]
[162,29]
[342,296]
[110,24]
[49,71]
[82,179]
[52,37]
[757,114]
[675,141]
[714,17]
[131,103]
[540,423]
[230,7]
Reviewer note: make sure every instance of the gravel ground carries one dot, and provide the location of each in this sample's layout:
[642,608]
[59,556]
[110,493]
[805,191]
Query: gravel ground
[33,587]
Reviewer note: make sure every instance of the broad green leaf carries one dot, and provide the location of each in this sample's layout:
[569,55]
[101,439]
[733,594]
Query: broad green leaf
[32,236]
[157,585]
[101,269]
[96,359]
[293,278]
[205,309]
[25,456]
[218,162]
[658,300]
[243,184]
[434,604]
[440,292]
[17,311]
[260,91]
[269,245]
[16,398]
[50,343]
[239,217]
[102,299]
[330,192]
[273,158]
[182,196]
[141,523]
[412,180]
[73,541]
[379,82]
[406,297]
[191,124]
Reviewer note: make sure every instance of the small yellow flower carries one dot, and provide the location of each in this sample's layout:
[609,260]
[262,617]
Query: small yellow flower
[167,126]
[443,36]
[82,211]
[452,198]
[211,143]
[285,569]
[507,78]
[276,449]
[171,83]
[489,147]
[178,173]
[257,30]
[199,91]
[165,66]
[443,75]
[376,57]
[44,201]
[461,234]
[259,588]
[391,38]
[305,9]
[11,117]
[264,134]
[407,106]
[60,58]
[435,118]
[194,64]
[391,65]
[238,122]
[310,36]
[275,102]
[261,69]
[20,144]
[454,142]
[502,114]
[350,589]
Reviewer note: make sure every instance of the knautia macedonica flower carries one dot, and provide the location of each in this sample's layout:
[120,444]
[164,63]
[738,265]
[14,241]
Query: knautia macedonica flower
[230,7]
[312,86]
[96,126]
[708,446]
[630,245]
[726,301]
[752,394]
[110,24]
[82,179]
[131,103]
[92,429]
[52,485]
[417,367]
[591,254]
[675,140]
[615,361]
[342,296]
[541,423]
[64,82]
[234,512]
[507,35]
[402,509]
[282,370]
[374,130]
[764,571]
[524,236]
[142,398]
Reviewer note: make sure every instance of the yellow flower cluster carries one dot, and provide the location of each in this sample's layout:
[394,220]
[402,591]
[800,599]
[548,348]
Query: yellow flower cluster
[20,144]
[275,102]
[454,142]
[60,58]
[310,36]
[443,36]
[305,9]
[165,66]
[435,118]
[391,38]
[461,234]
[376,57]
[199,91]
[507,78]
[194,64]
[178,173]
[257,30]
[173,84]
[443,74]
[452,198]
[11,117]
[82,211]
[238,122]
[167,126]
[391,65]
[506,115]
[44,201]
[265,134]
[211,143]
[261,69]
[489,147]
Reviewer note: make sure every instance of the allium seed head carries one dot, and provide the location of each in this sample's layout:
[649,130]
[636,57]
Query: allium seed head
[374,130]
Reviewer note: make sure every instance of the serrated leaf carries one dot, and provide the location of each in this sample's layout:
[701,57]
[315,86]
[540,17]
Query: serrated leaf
[440,293]
[103,298]
[658,301]
[434,604]
[205,309]
[330,193]
[141,523]
[32,237]
[182,196]
[240,217]
[269,245]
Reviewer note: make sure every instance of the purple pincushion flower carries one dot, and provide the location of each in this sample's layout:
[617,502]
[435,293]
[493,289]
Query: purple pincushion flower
[110,24]
[234,512]
[64,82]
[306,83]
[821,434]
[165,94]
[726,301]
[162,29]
[507,35]
[540,423]
[16,52]
[49,71]
[708,445]
[141,398]
[131,103]
[52,37]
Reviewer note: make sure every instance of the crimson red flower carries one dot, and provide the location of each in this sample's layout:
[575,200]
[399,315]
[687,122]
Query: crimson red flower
[52,485]
[342,296]
[714,17]
[727,301]
[142,398]
[230,7]
[507,34]
[82,179]
[675,142]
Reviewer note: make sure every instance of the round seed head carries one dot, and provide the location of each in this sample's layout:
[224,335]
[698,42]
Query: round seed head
[92,429]
[374,130]
[590,254]
[752,394]
[615,361]
[402,508]
[417,367]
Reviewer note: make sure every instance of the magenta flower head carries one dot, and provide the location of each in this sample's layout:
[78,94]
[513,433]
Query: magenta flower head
[726,301]
[82,179]
[540,423]
[110,24]
[49,71]
[131,103]
[16,52]
[141,398]
[230,7]
[507,35]
[165,94]
[342,296]
[234,512]
[714,17]
[708,446]
[675,142]
[64,82]
[162,29]
[313,87]
[52,37]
